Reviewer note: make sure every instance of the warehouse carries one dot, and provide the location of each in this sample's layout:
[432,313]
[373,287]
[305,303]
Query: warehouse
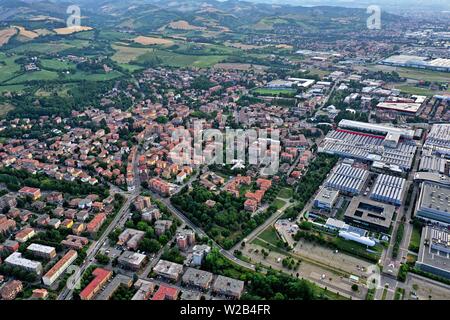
[388,189]
[376,128]
[410,108]
[434,203]
[370,148]
[438,140]
[432,164]
[434,257]
[347,179]
[368,214]
[439,64]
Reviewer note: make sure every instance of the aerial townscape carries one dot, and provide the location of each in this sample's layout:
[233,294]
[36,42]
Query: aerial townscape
[104,105]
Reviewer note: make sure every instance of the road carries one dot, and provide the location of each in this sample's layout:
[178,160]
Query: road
[262,227]
[66,293]
[119,219]
[190,224]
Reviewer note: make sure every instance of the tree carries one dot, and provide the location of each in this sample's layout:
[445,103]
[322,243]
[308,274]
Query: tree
[149,245]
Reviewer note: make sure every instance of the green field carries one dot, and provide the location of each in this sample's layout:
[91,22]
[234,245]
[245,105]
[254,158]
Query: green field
[270,235]
[414,243]
[50,47]
[409,89]
[12,88]
[285,193]
[42,75]
[126,54]
[57,65]
[415,74]
[5,108]
[278,203]
[273,92]
[8,68]
[78,76]
[130,67]
[177,60]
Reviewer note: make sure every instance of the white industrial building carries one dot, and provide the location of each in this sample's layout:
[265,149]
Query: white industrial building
[16,260]
[388,189]
[326,198]
[438,140]
[366,147]
[432,163]
[349,232]
[347,179]
[376,128]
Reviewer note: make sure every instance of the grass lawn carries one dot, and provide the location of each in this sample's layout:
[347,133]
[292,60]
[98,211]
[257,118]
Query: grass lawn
[8,68]
[415,90]
[50,47]
[273,92]
[5,108]
[414,243]
[93,76]
[270,235]
[385,291]
[285,193]
[130,67]
[57,65]
[12,88]
[177,60]
[278,203]
[126,54]
[399,292]
[42,75]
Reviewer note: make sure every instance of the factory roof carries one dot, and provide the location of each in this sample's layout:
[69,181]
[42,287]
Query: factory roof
[383,129]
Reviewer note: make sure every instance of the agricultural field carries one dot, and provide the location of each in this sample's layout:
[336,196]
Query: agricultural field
[5,108]
[8,67]
[180,60]
[70,30]
[6,34]
[51,47]
[12,88]
[57,65]
[409,89]
[149,41]
[28,34]
[42,75]
[126,54]
[184,25]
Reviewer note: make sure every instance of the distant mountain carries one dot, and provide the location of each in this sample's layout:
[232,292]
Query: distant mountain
[150,15]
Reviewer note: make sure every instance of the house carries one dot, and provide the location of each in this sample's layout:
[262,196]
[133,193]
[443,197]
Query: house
[95,224]
[34,193]
[166,293]
[101,276]
[25,234]
[10,290]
